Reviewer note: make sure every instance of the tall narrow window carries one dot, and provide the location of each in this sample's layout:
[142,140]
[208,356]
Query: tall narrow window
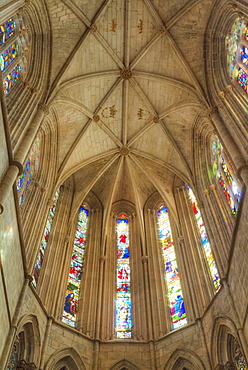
[174,290]
[76,270]
[13,50]
[45,238]
[123,282]
[204,240]
[30,170]
[14,357]
[237,53]
[226,176]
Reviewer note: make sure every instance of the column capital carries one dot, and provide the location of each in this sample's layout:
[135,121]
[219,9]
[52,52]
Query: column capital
[102,259]
[181,240]
[211,111]
[144,259]
[18,165]
[44,108]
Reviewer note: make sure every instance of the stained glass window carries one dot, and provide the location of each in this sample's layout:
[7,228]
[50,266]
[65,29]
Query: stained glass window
[237,53]
[8,56]
[45,238]
[226,176]
[7,30]
[204,240]
[76,270]
[174,290]
[241,363]
[123,282]
[11,79]
[30,170]
[13,358]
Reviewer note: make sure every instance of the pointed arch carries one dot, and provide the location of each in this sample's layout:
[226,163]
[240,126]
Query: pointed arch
[66,357]
[181,359]
[124,365]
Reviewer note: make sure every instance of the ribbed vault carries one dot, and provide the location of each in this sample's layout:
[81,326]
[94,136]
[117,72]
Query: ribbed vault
[126,91]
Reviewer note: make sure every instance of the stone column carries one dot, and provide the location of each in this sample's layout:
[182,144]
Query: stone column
[16,166]
[102,260]
[242,168]
[144,260]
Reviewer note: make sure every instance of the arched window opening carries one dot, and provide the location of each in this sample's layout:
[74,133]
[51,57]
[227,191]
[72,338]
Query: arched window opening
[30,171]
[45,238]
[14,356]
[123,280]
[174,289]
[237,53]
[13,49]
[204,239]
[76,269]
[226,176]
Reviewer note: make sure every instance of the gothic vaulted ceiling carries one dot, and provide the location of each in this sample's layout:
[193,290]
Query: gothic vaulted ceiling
[127,85]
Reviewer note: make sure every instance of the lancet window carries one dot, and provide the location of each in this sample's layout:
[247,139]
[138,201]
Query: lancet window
[69,316]
[237,53]
[13,47]
[30,170]
[123,280]
[174,289]
[204,239]
[45,238]
[226,176]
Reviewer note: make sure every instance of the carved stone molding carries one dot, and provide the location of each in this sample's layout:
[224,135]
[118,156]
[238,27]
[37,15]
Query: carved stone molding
[44,108]
[126,74]
[144,259]
[102,259]
[124,151]
[163,30]
[211,111]
[93,27]
[23,365]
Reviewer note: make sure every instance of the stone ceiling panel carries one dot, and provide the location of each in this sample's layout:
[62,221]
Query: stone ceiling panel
[168,9]
[139,112]
[89,8]
[91,57]
[111,111]
[124,186]
[163,95]
[111,26]
[90,91]
[143,27]
[162,59]
[70,124]
[192,28]
[92,143]
[63,22]
[155,143]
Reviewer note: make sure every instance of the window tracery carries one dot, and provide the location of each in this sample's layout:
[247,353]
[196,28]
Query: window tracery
[174,289]
[123,280]
[226,176]
[13,49]
[45,238]
[30,171]
[237,53]
[76,270]
[204,239]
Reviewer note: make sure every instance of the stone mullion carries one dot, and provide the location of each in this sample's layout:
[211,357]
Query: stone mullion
[94,274]
[223,212]
[217,236]
[192,259]
[111,287]
[184,273]
[161,290]
[152,253]
[48,279]
[199,252]
[135,292]
[86,280]
[34,228]
[229,143]
[144,260]
[230,222]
